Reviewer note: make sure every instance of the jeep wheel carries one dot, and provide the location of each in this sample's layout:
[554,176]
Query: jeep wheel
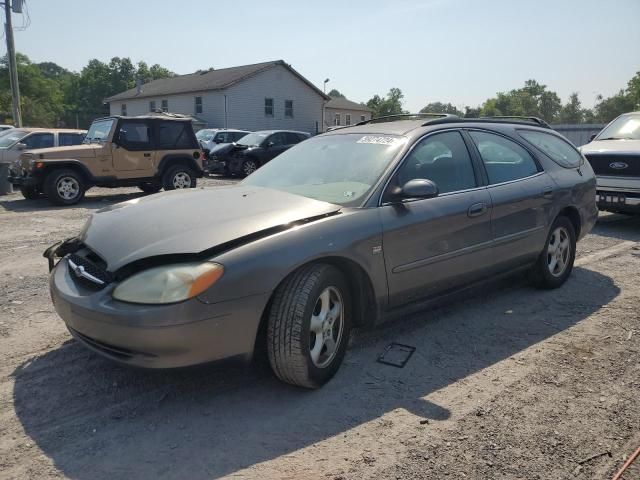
[149,187]
[179,177]
[30,193]
[64,187]
[248,167]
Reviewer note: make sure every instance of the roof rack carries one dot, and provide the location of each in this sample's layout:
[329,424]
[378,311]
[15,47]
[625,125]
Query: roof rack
[406,116]
[538,122]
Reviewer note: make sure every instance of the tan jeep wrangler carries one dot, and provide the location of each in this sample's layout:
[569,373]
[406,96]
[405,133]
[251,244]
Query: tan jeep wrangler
[151,152]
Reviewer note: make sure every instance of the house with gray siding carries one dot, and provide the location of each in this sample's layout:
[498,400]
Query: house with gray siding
[269,95]
[341,112]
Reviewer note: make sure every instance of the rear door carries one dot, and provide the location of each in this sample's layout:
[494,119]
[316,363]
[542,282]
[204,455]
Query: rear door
[432,245]
[521,194]
[132,149]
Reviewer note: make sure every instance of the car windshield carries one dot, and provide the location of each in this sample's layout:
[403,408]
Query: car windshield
[99,131]
[13,135]
[205,135]
[626,127]
[339,169]
[252,139]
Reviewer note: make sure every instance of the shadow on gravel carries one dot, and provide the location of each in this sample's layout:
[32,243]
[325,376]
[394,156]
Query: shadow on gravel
[623,227]
[90,202]
[97,420]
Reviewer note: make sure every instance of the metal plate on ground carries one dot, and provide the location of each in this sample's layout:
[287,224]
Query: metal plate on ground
[396,354]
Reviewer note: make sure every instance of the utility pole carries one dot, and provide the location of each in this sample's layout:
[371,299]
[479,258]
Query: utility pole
[13,69]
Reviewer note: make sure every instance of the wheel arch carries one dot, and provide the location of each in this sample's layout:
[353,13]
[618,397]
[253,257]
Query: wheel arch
[67,164]
[177,159]
[573,215]
[362,293]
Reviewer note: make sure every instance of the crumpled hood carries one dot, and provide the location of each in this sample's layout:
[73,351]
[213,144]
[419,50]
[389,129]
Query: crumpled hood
[191,221]
[611,146]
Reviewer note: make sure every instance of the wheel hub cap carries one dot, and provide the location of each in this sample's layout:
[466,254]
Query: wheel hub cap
[558,251]
[327,324]
[68,188]
[181,180]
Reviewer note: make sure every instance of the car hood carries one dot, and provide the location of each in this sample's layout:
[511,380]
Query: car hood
[192,221]
[611,146]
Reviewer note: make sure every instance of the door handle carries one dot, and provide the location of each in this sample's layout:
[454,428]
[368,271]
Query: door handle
[477,209]
[147,154]
[547,192]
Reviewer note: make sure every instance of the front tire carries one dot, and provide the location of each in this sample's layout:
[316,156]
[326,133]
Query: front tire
[555,263]
[309,325]
[179,177]
[64,187]
[249,166]
[30,193]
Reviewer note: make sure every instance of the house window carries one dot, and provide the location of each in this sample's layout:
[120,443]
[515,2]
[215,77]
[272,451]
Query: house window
[152,106]
[198,104]
[268,107]
[336,119]
[362,118]
[123,109]
[347,119]
[165,105]
[288,108]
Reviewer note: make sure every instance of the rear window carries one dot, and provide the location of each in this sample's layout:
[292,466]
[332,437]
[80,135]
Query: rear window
[174,135]
[557,149]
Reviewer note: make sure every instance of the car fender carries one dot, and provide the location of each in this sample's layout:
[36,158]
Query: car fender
[49,165]
[353,235]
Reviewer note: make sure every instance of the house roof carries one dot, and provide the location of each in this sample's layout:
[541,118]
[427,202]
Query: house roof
[207,80]
[344,104]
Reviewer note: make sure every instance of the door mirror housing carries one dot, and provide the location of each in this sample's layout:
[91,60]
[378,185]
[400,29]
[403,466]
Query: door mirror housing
[21,146]
[592,136]
[269,144]
[419,188]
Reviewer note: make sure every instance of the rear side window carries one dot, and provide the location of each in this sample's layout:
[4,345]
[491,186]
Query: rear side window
[174,136]
[557,149]
[503,159]
[38,140]
[68,139]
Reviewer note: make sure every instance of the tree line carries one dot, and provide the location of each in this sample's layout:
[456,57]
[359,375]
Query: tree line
[52,96]
[533,99]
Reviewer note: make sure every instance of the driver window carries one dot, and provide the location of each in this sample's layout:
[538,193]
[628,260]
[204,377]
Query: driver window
[277,139]
[38,140]
[442,158]
[134,134]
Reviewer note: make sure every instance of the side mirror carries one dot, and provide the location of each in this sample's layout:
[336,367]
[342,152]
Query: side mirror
[419,188]
[592,136]
[21,146]
[269,144]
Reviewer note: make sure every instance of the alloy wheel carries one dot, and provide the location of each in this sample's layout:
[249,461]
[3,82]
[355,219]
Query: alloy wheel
[68,188]
[558,251]
[327,325]
[181,180]
[249,167]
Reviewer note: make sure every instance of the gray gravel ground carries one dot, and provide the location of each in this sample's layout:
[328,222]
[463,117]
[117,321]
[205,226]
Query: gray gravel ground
[512,383]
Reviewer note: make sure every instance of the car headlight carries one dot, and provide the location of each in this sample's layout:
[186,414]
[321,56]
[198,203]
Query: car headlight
[169,283]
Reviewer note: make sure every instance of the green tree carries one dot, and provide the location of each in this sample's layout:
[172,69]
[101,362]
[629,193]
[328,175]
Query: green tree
[572,111]
[390,105]
[336,94]
[439,107]
[533,99]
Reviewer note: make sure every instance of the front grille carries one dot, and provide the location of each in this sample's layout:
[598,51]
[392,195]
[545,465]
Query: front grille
[87,273]
[622,165]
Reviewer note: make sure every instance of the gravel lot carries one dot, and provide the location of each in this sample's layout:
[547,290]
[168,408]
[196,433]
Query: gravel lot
[512,383]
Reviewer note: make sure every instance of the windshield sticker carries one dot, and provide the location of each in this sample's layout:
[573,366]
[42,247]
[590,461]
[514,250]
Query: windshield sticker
[376,140]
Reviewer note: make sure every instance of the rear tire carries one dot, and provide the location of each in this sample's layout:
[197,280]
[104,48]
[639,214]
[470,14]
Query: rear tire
[179,177]
[309,324]
[64,187]
[555,263]
[150,187]
[30,193]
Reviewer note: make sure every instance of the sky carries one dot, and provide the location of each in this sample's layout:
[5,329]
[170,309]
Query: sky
[458,51]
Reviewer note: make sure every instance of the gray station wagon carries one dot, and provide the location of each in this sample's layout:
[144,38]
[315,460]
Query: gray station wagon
[341,231]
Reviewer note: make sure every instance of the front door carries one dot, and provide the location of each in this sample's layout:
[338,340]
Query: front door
[522,196]
[274,145]
[132,148]
[432,245]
